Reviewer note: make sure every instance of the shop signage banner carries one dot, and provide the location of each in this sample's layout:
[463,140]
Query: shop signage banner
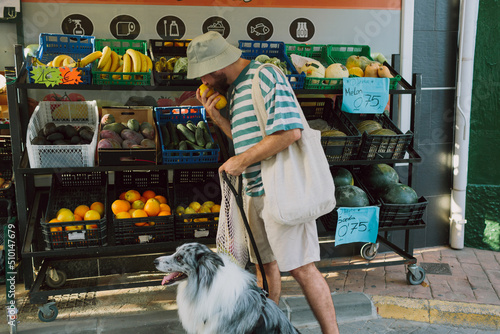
[365,95]
[338,4]
[357,225]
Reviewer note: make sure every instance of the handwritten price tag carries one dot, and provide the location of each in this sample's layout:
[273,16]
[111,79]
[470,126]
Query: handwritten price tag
[357,225]
[365,95]
[52,76]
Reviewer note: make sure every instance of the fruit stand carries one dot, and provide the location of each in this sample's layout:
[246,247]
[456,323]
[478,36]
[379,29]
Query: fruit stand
[197,172]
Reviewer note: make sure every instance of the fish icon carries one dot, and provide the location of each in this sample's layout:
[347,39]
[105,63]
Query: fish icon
[259,29]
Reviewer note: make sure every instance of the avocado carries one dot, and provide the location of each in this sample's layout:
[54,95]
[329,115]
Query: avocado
[70,131]
[49,129]
[39,140]
[55,136]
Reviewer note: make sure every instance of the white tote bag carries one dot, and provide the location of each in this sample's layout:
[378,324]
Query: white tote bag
[297,181]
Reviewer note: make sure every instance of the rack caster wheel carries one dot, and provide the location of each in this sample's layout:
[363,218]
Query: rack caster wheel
[415,275]
[369,251]
[55,278]
[48,312]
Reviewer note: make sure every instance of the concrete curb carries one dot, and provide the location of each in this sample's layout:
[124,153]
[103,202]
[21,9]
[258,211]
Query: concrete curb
[438,312]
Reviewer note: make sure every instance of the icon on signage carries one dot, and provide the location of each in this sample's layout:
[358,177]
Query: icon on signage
[259,29]
[76,24]
[124,28]
[78,29]
[170,27]
[302,30]
[217,26]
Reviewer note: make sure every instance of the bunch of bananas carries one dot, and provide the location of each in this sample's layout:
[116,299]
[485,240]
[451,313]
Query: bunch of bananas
[58,61]
[164,65]
[131,61]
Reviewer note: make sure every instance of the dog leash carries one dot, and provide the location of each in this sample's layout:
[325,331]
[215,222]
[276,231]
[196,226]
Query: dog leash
[239,201]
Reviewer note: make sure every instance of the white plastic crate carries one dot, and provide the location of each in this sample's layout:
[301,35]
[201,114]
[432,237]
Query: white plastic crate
[73,113]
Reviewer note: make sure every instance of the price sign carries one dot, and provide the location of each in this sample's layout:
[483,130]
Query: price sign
[51,76]
[365,95]
[357,225]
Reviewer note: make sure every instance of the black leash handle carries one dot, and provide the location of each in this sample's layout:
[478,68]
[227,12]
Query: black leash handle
[239,201]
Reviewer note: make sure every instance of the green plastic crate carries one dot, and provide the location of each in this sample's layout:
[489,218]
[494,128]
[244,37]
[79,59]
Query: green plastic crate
[120,46]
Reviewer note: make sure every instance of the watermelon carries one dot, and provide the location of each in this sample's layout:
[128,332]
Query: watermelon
[377,177]
[342,177]
[351,196]
[398,193]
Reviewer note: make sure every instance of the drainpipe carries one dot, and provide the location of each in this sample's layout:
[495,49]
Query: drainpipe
[466,47]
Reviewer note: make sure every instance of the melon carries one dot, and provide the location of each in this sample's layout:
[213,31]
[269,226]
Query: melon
[383,132]
[398,193]
[377,177]
[351,196]
[342,177]
[336,70]
[313,68]
[368,126]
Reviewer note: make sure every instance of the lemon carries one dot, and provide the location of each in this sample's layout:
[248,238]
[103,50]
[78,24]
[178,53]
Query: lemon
[138,204]
[65,215]
[179,210]
[208,204]
[195,206]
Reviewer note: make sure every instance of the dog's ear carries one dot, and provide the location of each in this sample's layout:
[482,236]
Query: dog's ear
[208,263]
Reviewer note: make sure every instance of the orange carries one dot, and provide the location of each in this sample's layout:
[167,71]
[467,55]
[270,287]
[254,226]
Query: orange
[91,227]
[164,213]
[138,204]
[143,199]
[81,209]
[120,205]
[152,207]
[77,218]
[92,215]
[55,229]
[74,228]
[98,206]
[132,195]
[148,194]
[123,215]
[65,215]
[215,208]
[122,195]
[165,207]
[131,211]
[139,213]
[161,199]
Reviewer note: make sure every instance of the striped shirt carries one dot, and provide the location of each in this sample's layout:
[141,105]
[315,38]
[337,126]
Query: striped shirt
[283,114]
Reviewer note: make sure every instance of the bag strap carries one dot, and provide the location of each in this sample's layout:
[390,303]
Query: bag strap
[258,99]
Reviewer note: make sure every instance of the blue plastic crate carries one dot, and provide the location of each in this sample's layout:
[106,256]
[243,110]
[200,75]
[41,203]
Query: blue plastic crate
[178,115]
[75,46]
[252,49]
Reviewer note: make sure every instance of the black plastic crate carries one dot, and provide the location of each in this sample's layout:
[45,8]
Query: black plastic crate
[170,48]
[393,215]
[336,148]
[146,229]
[68,190]
[5,148]
[382,146]
[196,185]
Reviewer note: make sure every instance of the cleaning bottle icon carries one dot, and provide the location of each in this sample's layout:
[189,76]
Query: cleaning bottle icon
[78,29]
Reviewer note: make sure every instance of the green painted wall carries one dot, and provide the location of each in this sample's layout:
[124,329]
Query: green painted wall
[483,190]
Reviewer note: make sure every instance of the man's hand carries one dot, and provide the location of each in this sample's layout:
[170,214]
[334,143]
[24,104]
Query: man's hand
[209,105]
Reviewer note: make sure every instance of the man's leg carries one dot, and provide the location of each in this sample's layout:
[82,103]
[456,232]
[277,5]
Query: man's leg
[317,293]
[273,277]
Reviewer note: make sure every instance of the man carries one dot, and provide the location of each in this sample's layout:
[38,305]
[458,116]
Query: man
[282,248]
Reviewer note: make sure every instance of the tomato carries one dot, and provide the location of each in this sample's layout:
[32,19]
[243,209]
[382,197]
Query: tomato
[76,97]
[52,97]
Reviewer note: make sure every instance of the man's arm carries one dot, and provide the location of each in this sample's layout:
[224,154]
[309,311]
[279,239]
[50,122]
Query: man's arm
[266,148]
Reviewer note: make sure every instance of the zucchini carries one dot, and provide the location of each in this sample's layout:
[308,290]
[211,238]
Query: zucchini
[165,135]
[186,132]
[200,139]
[173,133]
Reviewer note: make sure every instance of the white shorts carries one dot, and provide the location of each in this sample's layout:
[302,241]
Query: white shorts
[291,246]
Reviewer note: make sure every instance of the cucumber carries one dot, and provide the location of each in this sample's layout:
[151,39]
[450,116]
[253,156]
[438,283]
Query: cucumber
[194,146]
[202,124]
[191,126]
[173,133]
[183,145]
[165,135]
[207,136]
[186,132]
[210,146]
[200,139]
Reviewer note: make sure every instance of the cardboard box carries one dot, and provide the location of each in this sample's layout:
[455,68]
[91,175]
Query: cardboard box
[133,156]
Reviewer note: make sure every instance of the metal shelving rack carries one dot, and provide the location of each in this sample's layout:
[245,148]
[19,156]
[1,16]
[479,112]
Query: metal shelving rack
[31,203]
